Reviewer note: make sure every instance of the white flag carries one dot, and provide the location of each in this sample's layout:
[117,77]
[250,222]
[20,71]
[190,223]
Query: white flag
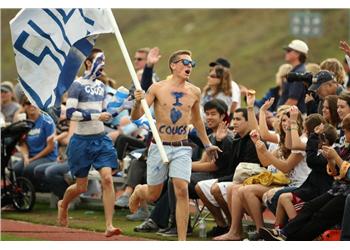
[50,45]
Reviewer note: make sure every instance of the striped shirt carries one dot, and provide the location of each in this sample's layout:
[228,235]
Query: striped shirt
[86,100]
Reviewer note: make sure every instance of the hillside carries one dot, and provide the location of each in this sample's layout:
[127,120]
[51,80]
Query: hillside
[251,39]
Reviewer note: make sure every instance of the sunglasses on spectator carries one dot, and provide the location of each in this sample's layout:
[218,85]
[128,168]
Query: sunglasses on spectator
[27,103]
[186,62]
[138,59]
[289,50]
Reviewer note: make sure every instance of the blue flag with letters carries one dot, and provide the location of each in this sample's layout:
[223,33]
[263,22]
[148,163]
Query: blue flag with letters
[50,46]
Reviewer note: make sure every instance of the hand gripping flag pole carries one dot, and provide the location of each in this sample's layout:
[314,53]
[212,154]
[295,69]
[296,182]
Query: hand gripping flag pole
[137,85]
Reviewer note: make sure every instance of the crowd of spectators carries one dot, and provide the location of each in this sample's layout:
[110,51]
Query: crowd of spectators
[287,152]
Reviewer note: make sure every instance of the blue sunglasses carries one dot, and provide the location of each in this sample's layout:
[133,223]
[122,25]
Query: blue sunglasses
[187,62]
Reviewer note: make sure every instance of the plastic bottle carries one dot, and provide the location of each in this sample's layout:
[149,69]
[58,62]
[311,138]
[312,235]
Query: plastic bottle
[126,164]
[118,99]
[202,229]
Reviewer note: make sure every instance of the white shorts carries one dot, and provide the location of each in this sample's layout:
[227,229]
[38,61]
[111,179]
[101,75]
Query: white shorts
[206,185]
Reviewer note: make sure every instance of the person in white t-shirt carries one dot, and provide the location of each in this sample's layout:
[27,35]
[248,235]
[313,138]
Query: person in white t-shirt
[218,87]
[235,87]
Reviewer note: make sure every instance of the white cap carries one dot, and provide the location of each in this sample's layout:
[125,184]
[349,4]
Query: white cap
[299,46]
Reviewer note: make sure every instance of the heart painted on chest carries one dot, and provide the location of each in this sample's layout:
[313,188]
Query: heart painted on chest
[175,115]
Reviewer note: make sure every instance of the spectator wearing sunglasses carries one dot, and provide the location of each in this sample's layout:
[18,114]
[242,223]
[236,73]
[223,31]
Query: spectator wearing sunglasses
[144,61]
[176,105]
[39,146]
[293,93]
[218,87]
[235,87]
[140,58]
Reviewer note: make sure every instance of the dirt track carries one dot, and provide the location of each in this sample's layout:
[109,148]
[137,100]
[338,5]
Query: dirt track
[54,233]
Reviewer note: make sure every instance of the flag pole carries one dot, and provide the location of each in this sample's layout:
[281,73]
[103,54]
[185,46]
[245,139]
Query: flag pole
[137,85]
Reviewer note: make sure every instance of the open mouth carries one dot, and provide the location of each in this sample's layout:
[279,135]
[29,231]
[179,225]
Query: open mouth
[187,71]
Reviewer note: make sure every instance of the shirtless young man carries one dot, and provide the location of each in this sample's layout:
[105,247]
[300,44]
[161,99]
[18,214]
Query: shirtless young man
[176,105]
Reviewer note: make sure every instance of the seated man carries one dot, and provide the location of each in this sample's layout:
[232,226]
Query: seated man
[213,192]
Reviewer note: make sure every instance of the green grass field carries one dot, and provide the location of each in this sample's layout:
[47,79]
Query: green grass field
[87,218]
[12,237]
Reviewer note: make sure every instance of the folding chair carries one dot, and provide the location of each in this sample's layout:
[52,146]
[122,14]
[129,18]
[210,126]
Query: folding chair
[201,212]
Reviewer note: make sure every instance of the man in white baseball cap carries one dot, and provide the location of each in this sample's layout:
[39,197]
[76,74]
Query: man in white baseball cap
[298,46]
[293,93]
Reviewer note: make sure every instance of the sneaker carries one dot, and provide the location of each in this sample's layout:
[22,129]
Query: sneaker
[271,234]
[216,231]
[147,226]
[172,232]
[122,201]
[141,214]
[253,236]
[162,230]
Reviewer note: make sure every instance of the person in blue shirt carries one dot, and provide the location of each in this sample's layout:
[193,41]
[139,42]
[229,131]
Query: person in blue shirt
[293,93]
[39,146]
[90,146]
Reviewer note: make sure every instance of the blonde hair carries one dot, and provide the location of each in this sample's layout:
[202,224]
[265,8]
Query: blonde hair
[314,68]
[143,50]
[283,108]
[282,72]
[334,66]
[174,56]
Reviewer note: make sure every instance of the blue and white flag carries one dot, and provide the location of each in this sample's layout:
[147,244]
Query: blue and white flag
[50,45]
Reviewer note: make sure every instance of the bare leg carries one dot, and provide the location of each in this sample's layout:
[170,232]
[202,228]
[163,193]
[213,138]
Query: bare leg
[252,195]
[113,135]
[182,207]
[229,196]
[237,213]
[215,211]
[285,206]
[216,192]
[71,193]
[148,193]
[108,200]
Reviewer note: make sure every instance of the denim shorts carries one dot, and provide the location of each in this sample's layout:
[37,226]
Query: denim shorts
[84,151]
[179,166]
[272,203]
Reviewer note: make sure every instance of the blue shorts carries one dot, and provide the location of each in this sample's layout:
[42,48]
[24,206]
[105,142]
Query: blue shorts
[84,151]
[272,205]
[180,164]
